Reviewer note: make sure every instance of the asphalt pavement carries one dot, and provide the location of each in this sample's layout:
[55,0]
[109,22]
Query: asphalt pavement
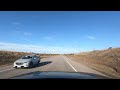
[54,63]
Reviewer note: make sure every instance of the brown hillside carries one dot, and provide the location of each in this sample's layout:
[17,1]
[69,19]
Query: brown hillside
[106,61]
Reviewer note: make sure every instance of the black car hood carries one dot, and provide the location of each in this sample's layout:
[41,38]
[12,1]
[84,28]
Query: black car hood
[59,75]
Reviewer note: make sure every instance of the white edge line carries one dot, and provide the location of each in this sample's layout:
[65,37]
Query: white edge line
[6,69]
[70,65]
[75,69]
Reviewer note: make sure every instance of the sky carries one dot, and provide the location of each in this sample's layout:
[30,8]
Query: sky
[59,31]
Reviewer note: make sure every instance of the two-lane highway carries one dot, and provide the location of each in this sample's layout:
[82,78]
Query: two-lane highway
[55,63]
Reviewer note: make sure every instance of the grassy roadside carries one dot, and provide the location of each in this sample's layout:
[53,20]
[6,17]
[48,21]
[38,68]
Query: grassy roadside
[106,70]
[8,57]
[101,68]
[9,61]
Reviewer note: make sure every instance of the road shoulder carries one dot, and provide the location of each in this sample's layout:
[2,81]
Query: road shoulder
[82,68]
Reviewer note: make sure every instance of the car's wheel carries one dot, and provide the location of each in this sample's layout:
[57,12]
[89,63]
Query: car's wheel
[38,61]
[15,67]
[31,65]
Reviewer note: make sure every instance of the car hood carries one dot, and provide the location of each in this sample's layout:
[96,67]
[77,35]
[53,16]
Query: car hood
[23,60]
[58,75]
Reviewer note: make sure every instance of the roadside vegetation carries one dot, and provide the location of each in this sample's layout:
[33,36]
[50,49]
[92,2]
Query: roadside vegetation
[8,57]
[106,61]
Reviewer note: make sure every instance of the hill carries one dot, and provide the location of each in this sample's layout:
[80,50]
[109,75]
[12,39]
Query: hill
[106,61]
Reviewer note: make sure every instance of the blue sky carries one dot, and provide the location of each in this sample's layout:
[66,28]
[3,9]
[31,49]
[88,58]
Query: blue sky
[59,31]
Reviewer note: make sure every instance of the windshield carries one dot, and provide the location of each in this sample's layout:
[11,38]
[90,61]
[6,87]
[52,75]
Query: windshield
[26,57]
[60,41]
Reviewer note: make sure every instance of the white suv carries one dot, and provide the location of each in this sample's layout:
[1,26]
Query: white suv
[27,61]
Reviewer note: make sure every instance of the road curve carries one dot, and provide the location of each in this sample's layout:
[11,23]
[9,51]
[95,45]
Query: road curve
[54,63]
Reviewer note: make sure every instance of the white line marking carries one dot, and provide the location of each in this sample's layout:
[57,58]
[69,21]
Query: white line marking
[70,65]
[6,69]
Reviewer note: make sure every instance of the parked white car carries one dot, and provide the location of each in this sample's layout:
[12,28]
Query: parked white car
[27,61]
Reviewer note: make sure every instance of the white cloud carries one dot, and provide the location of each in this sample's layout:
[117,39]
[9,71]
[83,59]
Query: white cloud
[48,38]
[16,23]
[27,33]
[91,37]
[22,33]
[27,40]
[17,31]
[36,48]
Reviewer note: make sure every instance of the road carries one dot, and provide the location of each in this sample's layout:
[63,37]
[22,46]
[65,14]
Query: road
[54,63]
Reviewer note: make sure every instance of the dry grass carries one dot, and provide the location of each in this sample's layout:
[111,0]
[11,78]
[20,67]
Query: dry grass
[106,61]
[8,57]
[106,70]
